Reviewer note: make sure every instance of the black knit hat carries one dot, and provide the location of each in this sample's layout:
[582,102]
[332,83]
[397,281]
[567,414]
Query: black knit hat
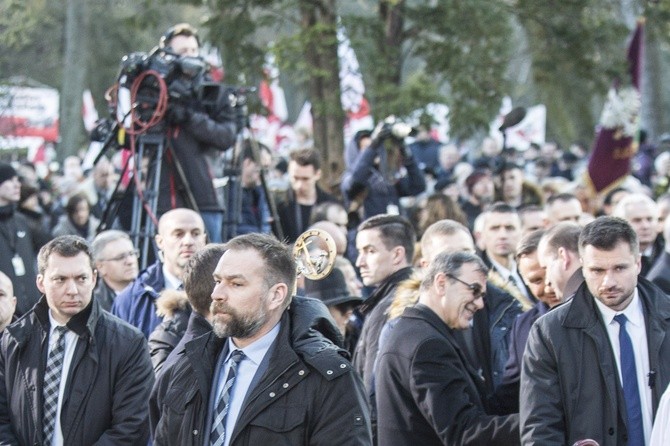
[331,290]
[7,172]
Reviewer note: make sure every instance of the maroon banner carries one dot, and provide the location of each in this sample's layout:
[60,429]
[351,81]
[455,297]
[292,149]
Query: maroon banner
[616,141]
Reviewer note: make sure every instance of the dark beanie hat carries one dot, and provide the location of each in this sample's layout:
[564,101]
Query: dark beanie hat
[7,172]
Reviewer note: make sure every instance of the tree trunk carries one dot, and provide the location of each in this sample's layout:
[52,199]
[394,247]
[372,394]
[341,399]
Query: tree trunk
[653,113]
[74,77]
[318,24]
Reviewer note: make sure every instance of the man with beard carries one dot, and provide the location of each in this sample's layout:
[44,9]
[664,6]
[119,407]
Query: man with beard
[262,376]
[181,232]
[596,366]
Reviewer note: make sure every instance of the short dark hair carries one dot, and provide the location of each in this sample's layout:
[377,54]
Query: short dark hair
[180,29]
[528,243]
[394,230]
[280,265]
[528,208]
[610,195]
[306,157]
[606,232]
[565,235]
[198,282]
[64,246]
[450,264]
[502,208]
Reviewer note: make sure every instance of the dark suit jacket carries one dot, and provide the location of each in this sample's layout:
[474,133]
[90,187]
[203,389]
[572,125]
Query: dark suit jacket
[427,394]
[660,272]
[570,387]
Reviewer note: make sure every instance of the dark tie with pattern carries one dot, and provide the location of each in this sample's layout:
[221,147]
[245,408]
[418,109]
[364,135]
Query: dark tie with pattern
[52,376]
[631,391]
[218,434]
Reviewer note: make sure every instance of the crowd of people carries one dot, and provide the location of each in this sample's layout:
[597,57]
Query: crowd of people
[477,298]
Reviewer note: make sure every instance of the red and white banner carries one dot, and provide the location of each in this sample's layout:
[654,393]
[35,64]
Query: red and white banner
[28,116]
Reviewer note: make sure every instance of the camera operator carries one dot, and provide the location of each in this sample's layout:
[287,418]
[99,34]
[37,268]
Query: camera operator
[192,130]
[379,177]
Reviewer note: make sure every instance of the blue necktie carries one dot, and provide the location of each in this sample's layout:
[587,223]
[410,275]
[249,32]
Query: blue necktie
[218,434]
[631,392]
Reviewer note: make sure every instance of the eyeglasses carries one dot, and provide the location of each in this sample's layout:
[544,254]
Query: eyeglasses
[121,257]
[477,289]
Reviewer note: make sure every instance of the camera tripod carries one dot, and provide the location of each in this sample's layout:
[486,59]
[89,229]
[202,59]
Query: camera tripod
[233,170]
[142,193]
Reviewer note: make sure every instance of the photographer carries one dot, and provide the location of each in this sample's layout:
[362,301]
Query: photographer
[192,129]
[379,177]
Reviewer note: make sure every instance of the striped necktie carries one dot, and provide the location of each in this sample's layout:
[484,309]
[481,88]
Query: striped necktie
[218,434]
[52,376]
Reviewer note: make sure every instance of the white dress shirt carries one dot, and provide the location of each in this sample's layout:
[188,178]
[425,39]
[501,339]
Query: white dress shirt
[511,275]
[638,335]
[171,281]
[253,356]
[70,344]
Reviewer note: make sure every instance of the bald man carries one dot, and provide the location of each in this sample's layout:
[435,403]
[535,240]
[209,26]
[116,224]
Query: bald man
[181,232]
[7,302]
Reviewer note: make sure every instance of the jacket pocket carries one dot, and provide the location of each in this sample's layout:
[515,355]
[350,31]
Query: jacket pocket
[278,425]
[181,418]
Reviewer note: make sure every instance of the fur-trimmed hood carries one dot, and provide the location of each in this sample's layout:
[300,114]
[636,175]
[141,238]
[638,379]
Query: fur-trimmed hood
[170,302]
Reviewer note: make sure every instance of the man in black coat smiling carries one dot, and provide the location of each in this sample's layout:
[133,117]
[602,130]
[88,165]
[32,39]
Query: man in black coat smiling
[427,393]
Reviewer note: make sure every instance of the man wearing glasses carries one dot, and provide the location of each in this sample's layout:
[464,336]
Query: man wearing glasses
[427,393]
[115,259]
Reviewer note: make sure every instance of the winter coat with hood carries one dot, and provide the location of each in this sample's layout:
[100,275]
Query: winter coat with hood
[308,394]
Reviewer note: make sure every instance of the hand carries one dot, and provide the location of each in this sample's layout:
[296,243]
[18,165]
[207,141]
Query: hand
[180,90]
[177,114]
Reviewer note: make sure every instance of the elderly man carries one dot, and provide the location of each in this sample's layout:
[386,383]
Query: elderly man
[71,373]
[426,392]
[181,232]
[596,366]
[116,261]
[642,213]
[261,377]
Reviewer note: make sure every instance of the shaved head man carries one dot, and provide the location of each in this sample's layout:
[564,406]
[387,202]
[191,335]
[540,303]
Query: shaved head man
[181,232]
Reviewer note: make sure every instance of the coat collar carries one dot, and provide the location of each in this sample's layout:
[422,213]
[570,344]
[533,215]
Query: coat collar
[583,312]
[385,288]
[83,323]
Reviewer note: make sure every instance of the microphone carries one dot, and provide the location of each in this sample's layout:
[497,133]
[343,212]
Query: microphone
[652,379]
[513,118]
